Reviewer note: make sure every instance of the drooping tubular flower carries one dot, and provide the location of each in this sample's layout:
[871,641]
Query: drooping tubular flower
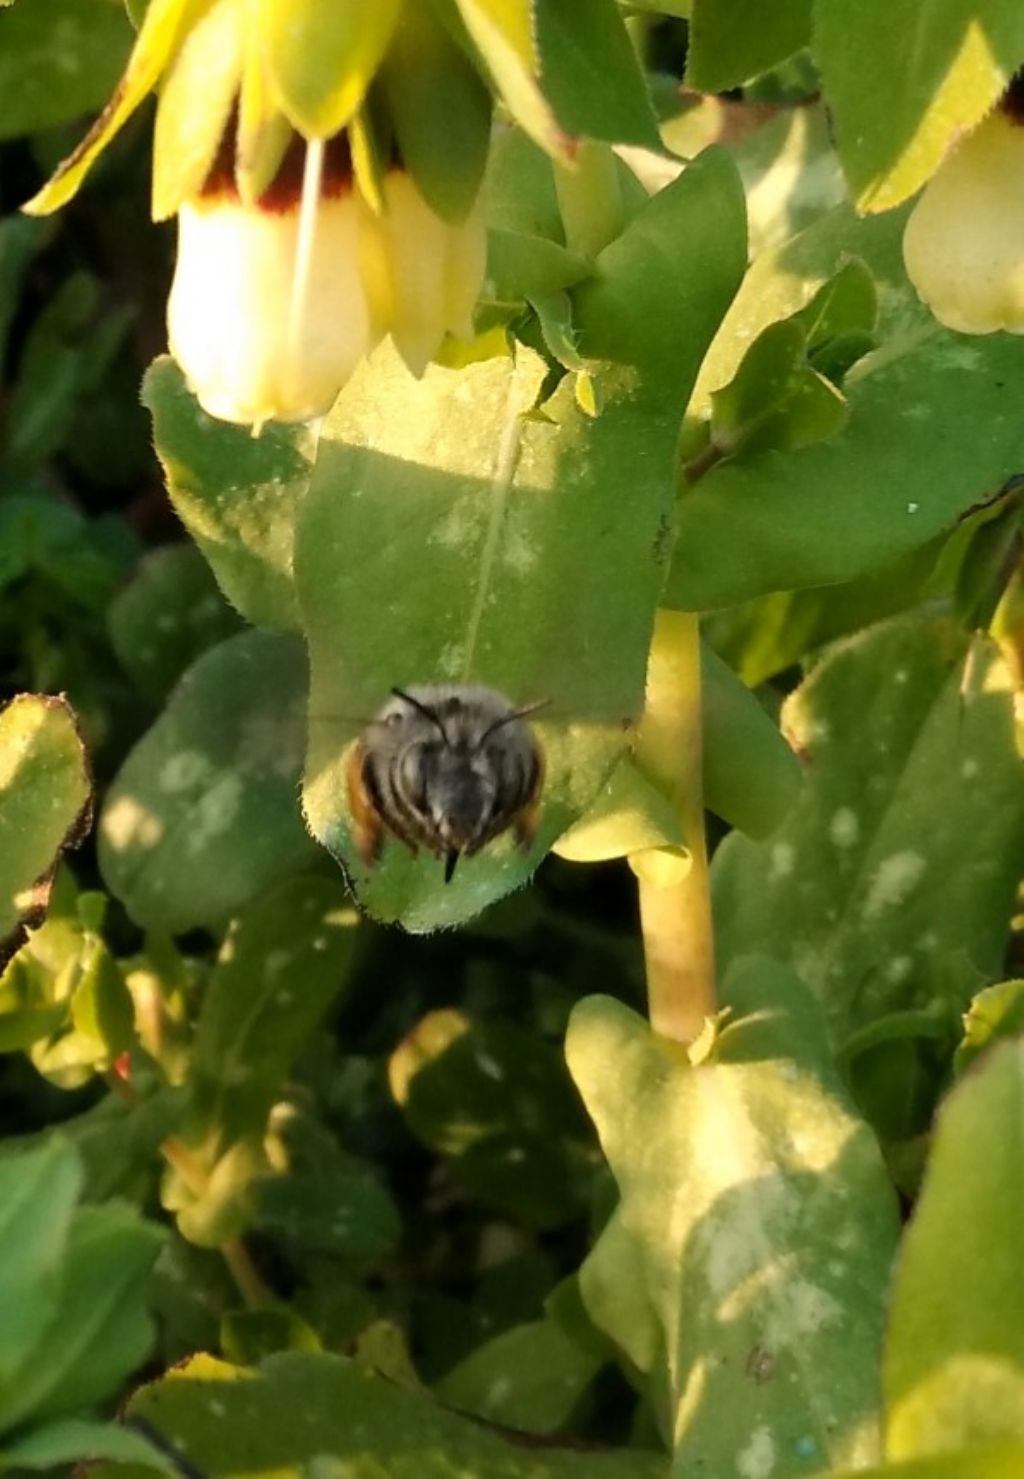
[963,246]
[324,159]
[261,328]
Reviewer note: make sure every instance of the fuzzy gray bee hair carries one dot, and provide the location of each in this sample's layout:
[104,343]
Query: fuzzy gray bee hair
[447,767]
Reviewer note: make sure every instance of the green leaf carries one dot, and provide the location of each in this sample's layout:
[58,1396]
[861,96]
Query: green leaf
[751,776]
[995,1013]
[731,41]
[69,345]
[929,432]
[247,1336]
[44,799]
[747,1284]
[71,1441]
[530,1377]
[20,239]
[102,1330]
[234,1423]
[761,638]
[203,814]
[775,401]
[38,1190]
[630,815]
[237,495]
[904,81]
[954,1364]
[440,110]
[591,72]
[167,617]
[58,60]
[321,56]
[497,1101]
[281,965]
[893,881]
[514,511]
[344,1213]
[521,267]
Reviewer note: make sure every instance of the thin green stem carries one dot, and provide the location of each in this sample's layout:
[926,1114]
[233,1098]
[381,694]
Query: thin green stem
[675,898]
[590,199]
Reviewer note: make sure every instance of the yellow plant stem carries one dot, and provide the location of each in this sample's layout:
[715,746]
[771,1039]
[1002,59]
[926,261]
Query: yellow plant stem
[589,198]
[234,1252]
[675,899]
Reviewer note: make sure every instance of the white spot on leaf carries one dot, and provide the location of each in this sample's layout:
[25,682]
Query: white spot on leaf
[757,1459]
[892,883]
[844,828]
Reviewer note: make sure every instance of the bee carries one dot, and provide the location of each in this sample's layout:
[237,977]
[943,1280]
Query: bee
[446,767]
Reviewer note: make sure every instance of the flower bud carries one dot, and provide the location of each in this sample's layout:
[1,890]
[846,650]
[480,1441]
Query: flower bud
[964,242]
[258,332]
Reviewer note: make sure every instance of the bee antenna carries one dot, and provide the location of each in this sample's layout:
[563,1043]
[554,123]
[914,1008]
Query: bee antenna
[424,709]
[450,860]
[497,724]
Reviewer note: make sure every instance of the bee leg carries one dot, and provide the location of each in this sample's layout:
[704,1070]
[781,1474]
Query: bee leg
[524,825]
[367,832]
[451,858]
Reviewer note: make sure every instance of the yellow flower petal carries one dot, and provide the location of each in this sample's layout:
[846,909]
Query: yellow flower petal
[196,99]
[964,242]
[436,272]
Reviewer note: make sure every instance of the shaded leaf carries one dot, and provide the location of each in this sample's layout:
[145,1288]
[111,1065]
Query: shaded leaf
[732,41]
[281,965]
[893,881]
[230,1422]
[169,615]
[345,1213]
[591,73]
[531,1377]
[204,812]
[58,60]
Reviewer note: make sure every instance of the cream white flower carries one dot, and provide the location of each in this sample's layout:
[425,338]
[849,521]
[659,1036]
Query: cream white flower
[964,242]
[251,346]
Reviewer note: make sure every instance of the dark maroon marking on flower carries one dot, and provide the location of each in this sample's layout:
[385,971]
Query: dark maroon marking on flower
[285,190]
[1012,101]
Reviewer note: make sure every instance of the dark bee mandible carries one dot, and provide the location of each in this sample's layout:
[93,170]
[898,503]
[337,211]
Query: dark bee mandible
[446,767]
